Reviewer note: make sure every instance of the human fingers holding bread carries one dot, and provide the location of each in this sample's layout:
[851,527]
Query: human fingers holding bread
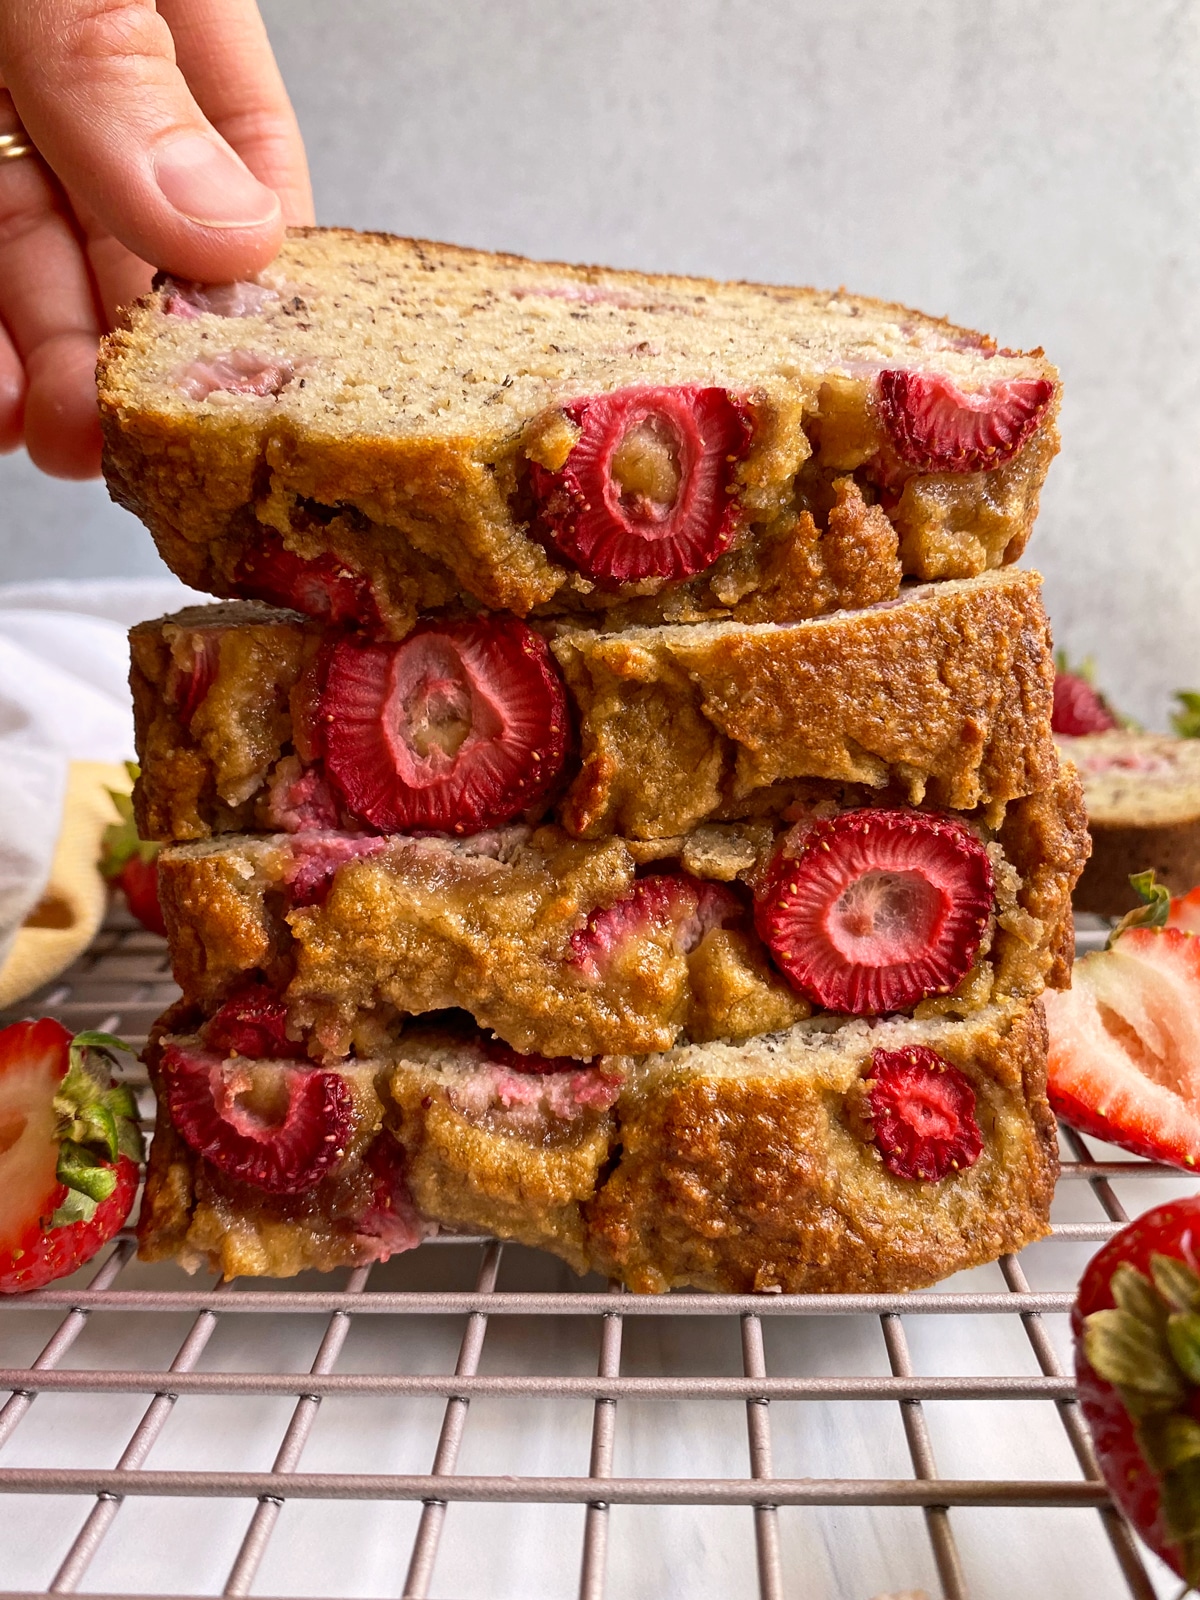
[140,136]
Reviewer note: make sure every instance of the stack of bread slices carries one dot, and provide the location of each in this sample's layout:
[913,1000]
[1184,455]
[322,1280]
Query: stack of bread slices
[615,806]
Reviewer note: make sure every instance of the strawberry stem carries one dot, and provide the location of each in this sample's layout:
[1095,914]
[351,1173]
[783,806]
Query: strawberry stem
[97,1124]
[1152,913]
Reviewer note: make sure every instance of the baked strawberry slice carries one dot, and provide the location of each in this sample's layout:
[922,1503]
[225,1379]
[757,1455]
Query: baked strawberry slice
[1079,707]
[188,684]
[461,726]
[253,1023]
[664,903]
[278,1126]
[646,491]
[69,1151]
[1125,1044]
[132,863]
[874,910]
[319,586]
[934,426]
[923,1114]
[1136,1324]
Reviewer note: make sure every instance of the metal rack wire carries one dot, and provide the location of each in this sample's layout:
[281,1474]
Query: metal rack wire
[121,985]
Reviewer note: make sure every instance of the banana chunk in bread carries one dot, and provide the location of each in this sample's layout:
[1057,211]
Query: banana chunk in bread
[576,948]
[379,427]
[1142,795]
[944,695]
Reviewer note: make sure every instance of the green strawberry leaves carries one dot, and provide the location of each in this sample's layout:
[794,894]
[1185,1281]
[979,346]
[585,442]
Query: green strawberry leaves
[1186,721]
[1148,1348]
[96,1125]
[119,843]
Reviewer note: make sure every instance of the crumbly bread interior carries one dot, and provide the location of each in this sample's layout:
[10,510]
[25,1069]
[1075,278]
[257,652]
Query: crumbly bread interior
[387,335]
[1148,780]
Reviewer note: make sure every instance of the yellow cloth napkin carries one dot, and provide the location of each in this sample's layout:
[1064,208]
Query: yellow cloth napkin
[66,919]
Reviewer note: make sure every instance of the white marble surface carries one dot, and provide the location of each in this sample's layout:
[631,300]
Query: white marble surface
[1023,167]
[531,1552]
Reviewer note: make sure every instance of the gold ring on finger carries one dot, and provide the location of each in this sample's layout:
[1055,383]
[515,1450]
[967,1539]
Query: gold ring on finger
[15,145]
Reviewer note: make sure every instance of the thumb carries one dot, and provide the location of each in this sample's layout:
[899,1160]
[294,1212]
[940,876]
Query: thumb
[98,89]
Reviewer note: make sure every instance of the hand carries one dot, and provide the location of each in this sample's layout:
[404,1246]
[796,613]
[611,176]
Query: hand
[136,112]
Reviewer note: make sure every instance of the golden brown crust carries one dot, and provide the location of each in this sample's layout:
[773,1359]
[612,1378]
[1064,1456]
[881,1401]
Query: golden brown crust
[433,517]
[1045,837]
[759,1180]
[945,695]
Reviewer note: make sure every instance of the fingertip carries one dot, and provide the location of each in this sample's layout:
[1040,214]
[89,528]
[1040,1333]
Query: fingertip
[223,222]
[62,421]
[12,398]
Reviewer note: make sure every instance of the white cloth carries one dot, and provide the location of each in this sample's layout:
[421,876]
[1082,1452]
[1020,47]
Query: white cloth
[64,695]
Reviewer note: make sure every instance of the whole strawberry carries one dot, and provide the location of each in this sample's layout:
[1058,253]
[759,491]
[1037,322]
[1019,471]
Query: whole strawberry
[1136,1324]
[1079,707]
[132,863]
[69,1151]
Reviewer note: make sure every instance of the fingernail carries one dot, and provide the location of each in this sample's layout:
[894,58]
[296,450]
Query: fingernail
[205,181]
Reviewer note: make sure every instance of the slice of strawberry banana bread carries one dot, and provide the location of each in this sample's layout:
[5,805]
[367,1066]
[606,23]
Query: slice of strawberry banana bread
[249,718]
[581,948]
[1142,793]
[836,1155]
[262,1165]
[380,427]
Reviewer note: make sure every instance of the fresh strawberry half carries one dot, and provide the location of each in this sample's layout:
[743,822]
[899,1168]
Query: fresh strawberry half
[275,1125]
[646,491]
[1079,707]
[69,1151]
[319,586]
[1136,1323]
[132,863]
[671,903]
[253,1023]
[1125,1044]
[874,910]
[923,1114]
[934,426]
[462,726]
[1184,912]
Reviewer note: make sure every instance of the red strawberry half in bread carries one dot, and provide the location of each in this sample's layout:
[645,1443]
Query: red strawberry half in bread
[934,426]
[252,1023]
[319,586]
[687,907]
[278,1126]
[460,727]
[1125,1044]
[1136,1324]
[646,489]
[69,1151]
[873,910]
[923,1113]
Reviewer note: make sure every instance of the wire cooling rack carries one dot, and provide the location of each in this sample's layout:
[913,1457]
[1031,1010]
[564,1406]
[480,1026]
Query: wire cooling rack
[472,1421]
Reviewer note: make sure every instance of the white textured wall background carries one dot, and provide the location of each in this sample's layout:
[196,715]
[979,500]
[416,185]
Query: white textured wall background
[1027,167]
